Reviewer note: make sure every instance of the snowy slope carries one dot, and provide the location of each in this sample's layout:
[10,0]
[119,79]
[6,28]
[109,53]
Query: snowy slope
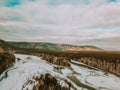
[27,67]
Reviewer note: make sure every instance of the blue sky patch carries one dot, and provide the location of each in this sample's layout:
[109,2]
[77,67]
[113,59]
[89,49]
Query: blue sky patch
[12,3]
[73,2]
[112,1]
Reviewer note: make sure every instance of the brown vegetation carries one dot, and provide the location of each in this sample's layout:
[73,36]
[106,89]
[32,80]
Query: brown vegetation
[108,66]
[62,61]
[6,61]
[1,50]
[104,60]
[49,82]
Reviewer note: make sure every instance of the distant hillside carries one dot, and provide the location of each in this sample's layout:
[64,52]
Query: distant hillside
[43,46]
[40,46]
[79,48]
[52,46]
[5,46]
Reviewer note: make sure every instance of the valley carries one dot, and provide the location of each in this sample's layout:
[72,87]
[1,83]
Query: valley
[32,67]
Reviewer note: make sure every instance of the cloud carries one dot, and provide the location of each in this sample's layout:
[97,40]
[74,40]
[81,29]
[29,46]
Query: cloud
[60,20]
[64,14]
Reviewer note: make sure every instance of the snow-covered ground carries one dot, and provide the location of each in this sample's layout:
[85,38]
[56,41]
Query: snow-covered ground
[32,66]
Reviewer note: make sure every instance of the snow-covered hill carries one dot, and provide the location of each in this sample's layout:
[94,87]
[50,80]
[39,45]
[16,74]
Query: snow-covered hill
[26,68]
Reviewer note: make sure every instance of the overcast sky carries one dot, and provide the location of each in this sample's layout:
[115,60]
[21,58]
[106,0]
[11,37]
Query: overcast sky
[91,22]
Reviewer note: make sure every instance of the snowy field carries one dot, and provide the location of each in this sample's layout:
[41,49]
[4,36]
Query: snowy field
[27,67]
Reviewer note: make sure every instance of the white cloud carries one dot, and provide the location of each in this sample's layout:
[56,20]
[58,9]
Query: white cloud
[63,22]
[75,15]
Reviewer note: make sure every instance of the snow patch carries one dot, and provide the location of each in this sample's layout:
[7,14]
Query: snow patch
[27,67]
